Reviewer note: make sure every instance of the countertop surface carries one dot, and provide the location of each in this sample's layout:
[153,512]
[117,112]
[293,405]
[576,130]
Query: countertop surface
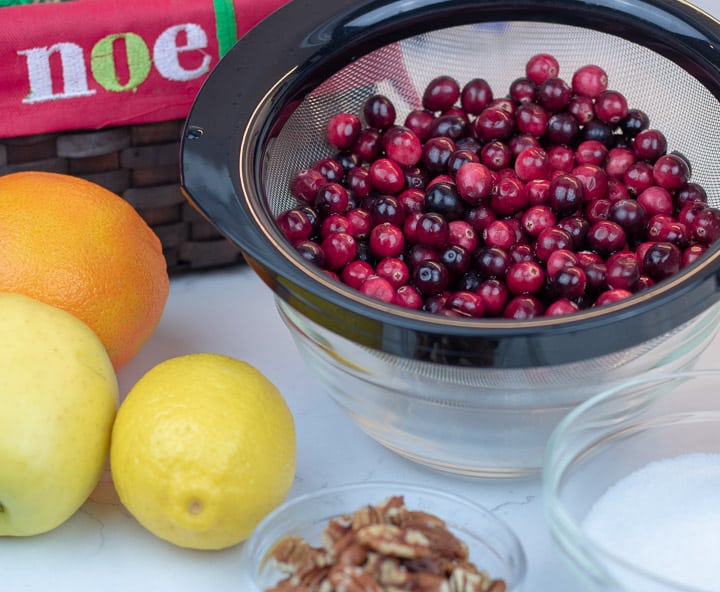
[232,312]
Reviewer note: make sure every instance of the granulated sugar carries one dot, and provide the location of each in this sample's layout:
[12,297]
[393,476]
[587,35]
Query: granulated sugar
[665,517]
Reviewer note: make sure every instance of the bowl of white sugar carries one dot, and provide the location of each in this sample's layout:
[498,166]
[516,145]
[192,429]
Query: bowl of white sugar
[632,485]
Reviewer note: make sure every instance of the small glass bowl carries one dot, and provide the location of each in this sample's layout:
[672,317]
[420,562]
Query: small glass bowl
[608,438]
[492,545]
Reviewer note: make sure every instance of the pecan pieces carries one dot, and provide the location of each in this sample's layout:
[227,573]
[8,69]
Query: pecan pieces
[382,548]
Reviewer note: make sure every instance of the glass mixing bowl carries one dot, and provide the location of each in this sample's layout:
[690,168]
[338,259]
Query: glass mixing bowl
[598,470]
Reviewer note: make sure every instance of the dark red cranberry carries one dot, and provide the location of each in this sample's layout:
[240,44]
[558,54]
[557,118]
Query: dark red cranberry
[638,177]
[649,145]
[305,184]
[577,227]
[394,270]
[622,270]
[480,216]
[693,253]
[643,283]
[454,127]
[661,260]
[335,223]
[538,191]
[342,130]
[355,273]
[550,240]
[340,248]
[456,259]
[705,226]
[671,172]
[435,303]
[520,142]
[386,208]
[656,200]
[597,130]
[379,112]
[386,240]
[347,160]
[562,128]
[591,152]
[634,122]
[589,80]
[432,230]
[331,169]
[611,296]
[430,277]
[560,307]
[690,192]
[496,155]
[595,277]
[665,228]
[531,118]
[458,159]
[568,282]
[566,195]
[630,215]
[618,161]
[412,200]
[611,107]
[491,262]
[367,146]
[593,179]
[494,296]
[441,93]
[687,213]
[523,307]
[331,198]
[508,196]
[408,296]
[560,259]
[295,225]
[359,220]
[542,66]
[419,122]
[379,289]
[617,190]
[494,124]
[416,177]
[311,251]
[521,252]
[605,237]
[358,181]
[436,153]
[444,199]
[597,210]
[554,94]
[503,103]
[466,303]
[562,158]
[475,96]
[499,233]
[522,90]
[532,163]
[582,109]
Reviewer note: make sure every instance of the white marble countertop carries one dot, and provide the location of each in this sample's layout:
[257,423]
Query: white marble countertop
[232,312]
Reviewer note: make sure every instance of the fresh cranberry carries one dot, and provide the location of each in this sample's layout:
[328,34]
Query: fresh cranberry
[591,152]
[656,200]
[379,112]
[444,178]
[499,233]
[562,158]
[577,227]
[690,192]
[415,177]
[630,215]
[334,223]
[638,177]
[494,296]
[463,234]
[562,128]
[295,225]
[430,277]
[611,107]
[355,273]
[456,259]
[492,262]
[634,122]
[436,153]
[340,248]
[410,226]
[560,259]
[622,270]
[441,93]
[560,307]
[402,146]
[443,198]
[459,158]
[611,296]
[466,303]
[532,163]
[687,213]
[495,155]
[692,254]
[305,184]
[523,307]
[566,194]
[596,210]
[408,296]
[411,200]
[475,95]
[665,228]
[520,251]
[394,270]
[520,142]
[432,230]
[508,196]
[419,121]
[661,260]
[331,198]
[552,239]
[379,289]
[618,161]
[649,145]
[582,108]
[554,94]
[643,283]
[386,176]
[705,226]
[542,66]
[494,124]
[531,118]
[538,192]
[593,180]
[450,126]
[342,129]
[473,181]
[347,159]
[617,190]
[419,253]
[599,131]
[568,282]
[535,219]
[330,168]
[386,208]
[589,80]
[359,220]
[671,172]
[358,181]
[595,277]
[386,240]
[606,237]
[367,146]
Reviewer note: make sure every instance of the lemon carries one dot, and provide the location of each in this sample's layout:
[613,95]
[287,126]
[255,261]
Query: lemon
[203,447]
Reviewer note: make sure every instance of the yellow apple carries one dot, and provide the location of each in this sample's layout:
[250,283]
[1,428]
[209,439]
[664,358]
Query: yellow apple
[58,399]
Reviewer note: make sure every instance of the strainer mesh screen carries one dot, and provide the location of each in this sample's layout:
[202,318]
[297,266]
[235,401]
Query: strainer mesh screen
[676,102]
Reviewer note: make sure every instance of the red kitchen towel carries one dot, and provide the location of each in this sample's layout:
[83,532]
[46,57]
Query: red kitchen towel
[90,64]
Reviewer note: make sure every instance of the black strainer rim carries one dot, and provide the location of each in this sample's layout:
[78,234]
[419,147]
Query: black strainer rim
[256,86]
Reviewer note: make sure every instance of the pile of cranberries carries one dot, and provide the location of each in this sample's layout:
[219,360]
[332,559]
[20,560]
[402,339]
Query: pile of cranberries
[553,198]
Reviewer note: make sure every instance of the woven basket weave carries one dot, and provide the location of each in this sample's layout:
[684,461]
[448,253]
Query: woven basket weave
[140,163]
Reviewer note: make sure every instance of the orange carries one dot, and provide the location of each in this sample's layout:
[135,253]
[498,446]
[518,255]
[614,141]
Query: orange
[75,245]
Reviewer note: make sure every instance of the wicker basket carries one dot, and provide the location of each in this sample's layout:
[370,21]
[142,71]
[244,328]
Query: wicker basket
[140,163]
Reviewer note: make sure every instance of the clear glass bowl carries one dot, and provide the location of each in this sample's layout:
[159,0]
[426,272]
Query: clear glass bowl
[606,440]
[479,422]
[492,545]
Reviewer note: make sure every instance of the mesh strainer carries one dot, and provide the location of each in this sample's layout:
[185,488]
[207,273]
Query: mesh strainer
[262,113]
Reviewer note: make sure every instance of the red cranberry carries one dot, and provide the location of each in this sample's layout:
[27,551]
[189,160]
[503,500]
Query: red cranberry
[295,225]
[671,172]
[618,161]
[665,228]
[496,155]
[379,112]
[411,200]
[402,146]
[342,129]
[394,270]
[705,226]
[355,273]
[331,198]
[649,145]
[330,168]
[622,270]
[419,253]
[386,208]
[520,252]
[463,234]
[605,237]
[458,159]
[475,96]
[562,158]
[589,80]
[532,163]
[596,210]
[334,223]
[408,296]
[494,296]
[610,296]
[630,214]
[305,184]
[598,130]
[473,181]
[638,177]
[560,259]
[492,262]
[525,277]
[687,213]
[560,307]
[656,200]
[542,66]
[358,181]
[692,254]
[347,159]
[552,239]
[595,277]
[568,282]
[441,93]
[531,118]
[523,307]
[522,90]
[508,196]
[432,230]
[410,226]
[535,219]
[430,277]
[616,190]
[444,199]
[538,191]
[340,248]
[591,152]
[566,194]
[379,289]
[634,122]
[661,260]
[499,233]
[367,146]
[611,107]
[494,124]
[419,121]
[436,153]
[359,220]
[466,303]
[456,259]
[451,126]
[386,240]
[444,178]
[480,217]
[386,176]
[690,192]
[593,180]
[582,109]
[554,94]
[577,227]
[520,142]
